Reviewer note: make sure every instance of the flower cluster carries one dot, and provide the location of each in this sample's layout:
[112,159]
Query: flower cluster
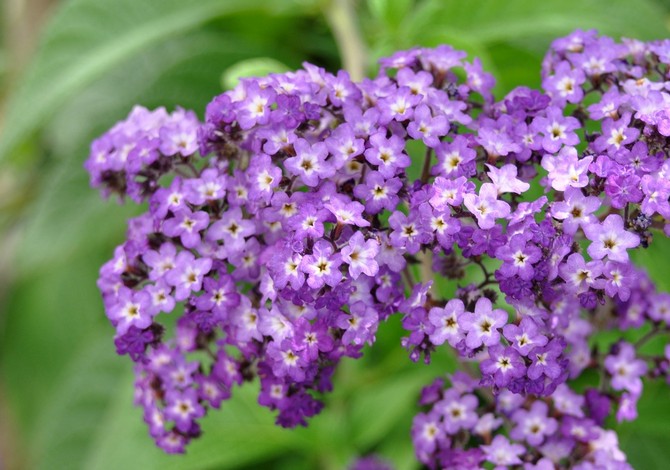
[510,430]
[296,218]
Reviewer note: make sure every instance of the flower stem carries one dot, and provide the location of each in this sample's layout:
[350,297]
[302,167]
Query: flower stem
[341,16]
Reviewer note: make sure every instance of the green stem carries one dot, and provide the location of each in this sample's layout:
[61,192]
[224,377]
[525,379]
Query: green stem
[341,16]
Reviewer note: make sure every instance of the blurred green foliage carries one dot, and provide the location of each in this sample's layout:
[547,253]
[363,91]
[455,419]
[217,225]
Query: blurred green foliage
[68,394]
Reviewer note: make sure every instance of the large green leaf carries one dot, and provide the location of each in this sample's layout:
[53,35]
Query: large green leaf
[493,21]
[645,440]
[90,423]
[88,39]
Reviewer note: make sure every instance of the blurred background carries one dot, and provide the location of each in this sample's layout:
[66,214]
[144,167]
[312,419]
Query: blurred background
[70,69]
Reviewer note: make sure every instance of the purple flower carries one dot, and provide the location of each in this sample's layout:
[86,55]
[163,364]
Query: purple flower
[498,137]
[232,228]
[575,210]
[623,189]
[161,298]
[187,274]
[343,145]
[347,212]
[565,84]
[503,365]
[360,255]
[183,408]
[427,433]
[615,135]
[180,136]
[659,307]
[322,266]
[168,199]
[455,158]
[417,82]
[525,336]
[566,169]
[518,257]
[220,295]
[387,154]
[481,327]
[533,425]
[440,223]
[312,338]
[502,452]
[273,324]
[254,108]
[212,391]
[391,255]
[447,192]
[285,268]
[210,186]
[545,360]
[378,193]
[160,261]
[619,278]
[308,222]
[486,207]
[608,106]
[131,309]
[286,360]
[300,226]
[625,369]
[342,88]
[580,275]
[276,137]
[264,177]
[459,411]
[360,324]
[557,129]
[134,342]
[505,179]
[406,232]
[478,80]
[310,162]
[398,106]
[656,193]
[187,226]
[610,239]
[426,127]
[445,320]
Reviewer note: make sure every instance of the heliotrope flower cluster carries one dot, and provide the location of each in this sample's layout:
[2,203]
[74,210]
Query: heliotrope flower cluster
[565,430]
[292,222]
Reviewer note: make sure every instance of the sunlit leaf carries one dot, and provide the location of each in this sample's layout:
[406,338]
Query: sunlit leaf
[89,38]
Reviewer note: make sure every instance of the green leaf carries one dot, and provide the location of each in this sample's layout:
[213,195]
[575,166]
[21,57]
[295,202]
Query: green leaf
[377,407]
[49,315]
[645,440]
[649,259]
[77,407]
[89,38]
[240,433]
[256,67]
[493,21]
[391,13]
[91,423]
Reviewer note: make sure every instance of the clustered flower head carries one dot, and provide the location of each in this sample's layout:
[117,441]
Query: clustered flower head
[286,228]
